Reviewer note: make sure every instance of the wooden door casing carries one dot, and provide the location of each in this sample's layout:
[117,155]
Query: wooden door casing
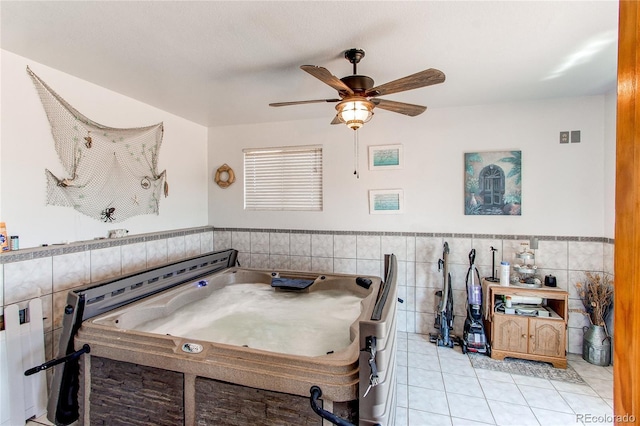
[626,351]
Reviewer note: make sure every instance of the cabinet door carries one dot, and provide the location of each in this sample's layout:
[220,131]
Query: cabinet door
[510,333]
[546,337]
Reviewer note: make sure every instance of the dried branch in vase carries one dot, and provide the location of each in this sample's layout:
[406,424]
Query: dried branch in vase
[596,294]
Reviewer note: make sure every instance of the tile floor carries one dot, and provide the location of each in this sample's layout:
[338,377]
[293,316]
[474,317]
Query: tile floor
[438,386]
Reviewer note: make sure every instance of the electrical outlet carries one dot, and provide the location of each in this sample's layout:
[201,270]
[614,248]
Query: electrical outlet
[575,136]
[564,137]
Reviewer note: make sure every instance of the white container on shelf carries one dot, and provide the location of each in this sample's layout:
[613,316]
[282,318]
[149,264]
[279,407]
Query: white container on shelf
[504,273]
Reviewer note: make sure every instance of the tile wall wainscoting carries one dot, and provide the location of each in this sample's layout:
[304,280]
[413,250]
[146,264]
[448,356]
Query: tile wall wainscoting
[50,272]
[418,253]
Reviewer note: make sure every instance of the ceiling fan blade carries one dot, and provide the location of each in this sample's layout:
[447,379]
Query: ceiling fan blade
[326,77]
[413,81]
[336,120]
[399,107]
[279,104]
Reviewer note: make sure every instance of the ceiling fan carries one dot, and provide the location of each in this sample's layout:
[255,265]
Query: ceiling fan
[358,96]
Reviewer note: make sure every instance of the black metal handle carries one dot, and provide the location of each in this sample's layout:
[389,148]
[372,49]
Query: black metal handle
[316,393]
[85,350]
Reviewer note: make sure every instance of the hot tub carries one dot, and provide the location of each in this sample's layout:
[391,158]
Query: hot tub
[140,370]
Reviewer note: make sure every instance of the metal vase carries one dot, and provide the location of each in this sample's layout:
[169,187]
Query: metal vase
[596,345]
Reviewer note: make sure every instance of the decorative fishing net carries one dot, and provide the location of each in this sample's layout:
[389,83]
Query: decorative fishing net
[112,173]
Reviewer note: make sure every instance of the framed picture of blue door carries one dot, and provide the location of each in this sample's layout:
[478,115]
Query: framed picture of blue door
[493,183]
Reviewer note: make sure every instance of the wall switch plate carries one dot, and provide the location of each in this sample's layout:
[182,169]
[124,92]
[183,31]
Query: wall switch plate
[575,136]
[564,137]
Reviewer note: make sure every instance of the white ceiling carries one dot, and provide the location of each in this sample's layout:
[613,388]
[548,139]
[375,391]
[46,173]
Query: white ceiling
[221,63]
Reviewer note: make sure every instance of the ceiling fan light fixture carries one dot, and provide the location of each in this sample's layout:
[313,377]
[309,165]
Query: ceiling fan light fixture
[355,111]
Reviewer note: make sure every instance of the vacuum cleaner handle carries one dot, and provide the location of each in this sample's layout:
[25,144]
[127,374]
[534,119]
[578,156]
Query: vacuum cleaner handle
[472,257]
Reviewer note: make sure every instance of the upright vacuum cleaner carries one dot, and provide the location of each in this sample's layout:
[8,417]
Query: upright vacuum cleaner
[444,316]
[474,338]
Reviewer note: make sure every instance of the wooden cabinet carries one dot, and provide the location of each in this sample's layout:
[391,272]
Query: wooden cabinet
[529,337]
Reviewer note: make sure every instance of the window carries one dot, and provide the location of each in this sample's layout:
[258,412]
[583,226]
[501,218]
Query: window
[283,178]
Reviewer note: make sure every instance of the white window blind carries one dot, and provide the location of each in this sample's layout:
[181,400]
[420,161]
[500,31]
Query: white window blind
[287,178]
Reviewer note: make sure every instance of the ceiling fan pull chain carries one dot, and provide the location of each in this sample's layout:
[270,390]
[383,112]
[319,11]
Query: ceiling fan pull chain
[355,153]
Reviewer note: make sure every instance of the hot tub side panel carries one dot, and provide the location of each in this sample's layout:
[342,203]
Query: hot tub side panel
[122,393]
[228,404]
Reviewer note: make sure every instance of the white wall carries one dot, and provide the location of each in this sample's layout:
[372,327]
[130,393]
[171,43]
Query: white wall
[27,148]
[563,185]
[610,110]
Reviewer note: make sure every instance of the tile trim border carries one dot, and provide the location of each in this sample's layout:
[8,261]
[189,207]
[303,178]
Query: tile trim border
[423,234]
[59,249]
[55,250]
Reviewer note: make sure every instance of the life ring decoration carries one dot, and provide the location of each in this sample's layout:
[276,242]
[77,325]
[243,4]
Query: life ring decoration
[220,175]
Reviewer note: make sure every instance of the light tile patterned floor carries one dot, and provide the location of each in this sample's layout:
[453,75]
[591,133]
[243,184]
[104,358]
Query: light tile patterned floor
[438,386]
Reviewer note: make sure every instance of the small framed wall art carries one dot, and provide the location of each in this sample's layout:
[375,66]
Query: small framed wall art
[385,157]
[386,201]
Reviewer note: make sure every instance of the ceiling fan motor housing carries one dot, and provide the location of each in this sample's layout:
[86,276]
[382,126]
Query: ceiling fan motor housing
[358,83]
